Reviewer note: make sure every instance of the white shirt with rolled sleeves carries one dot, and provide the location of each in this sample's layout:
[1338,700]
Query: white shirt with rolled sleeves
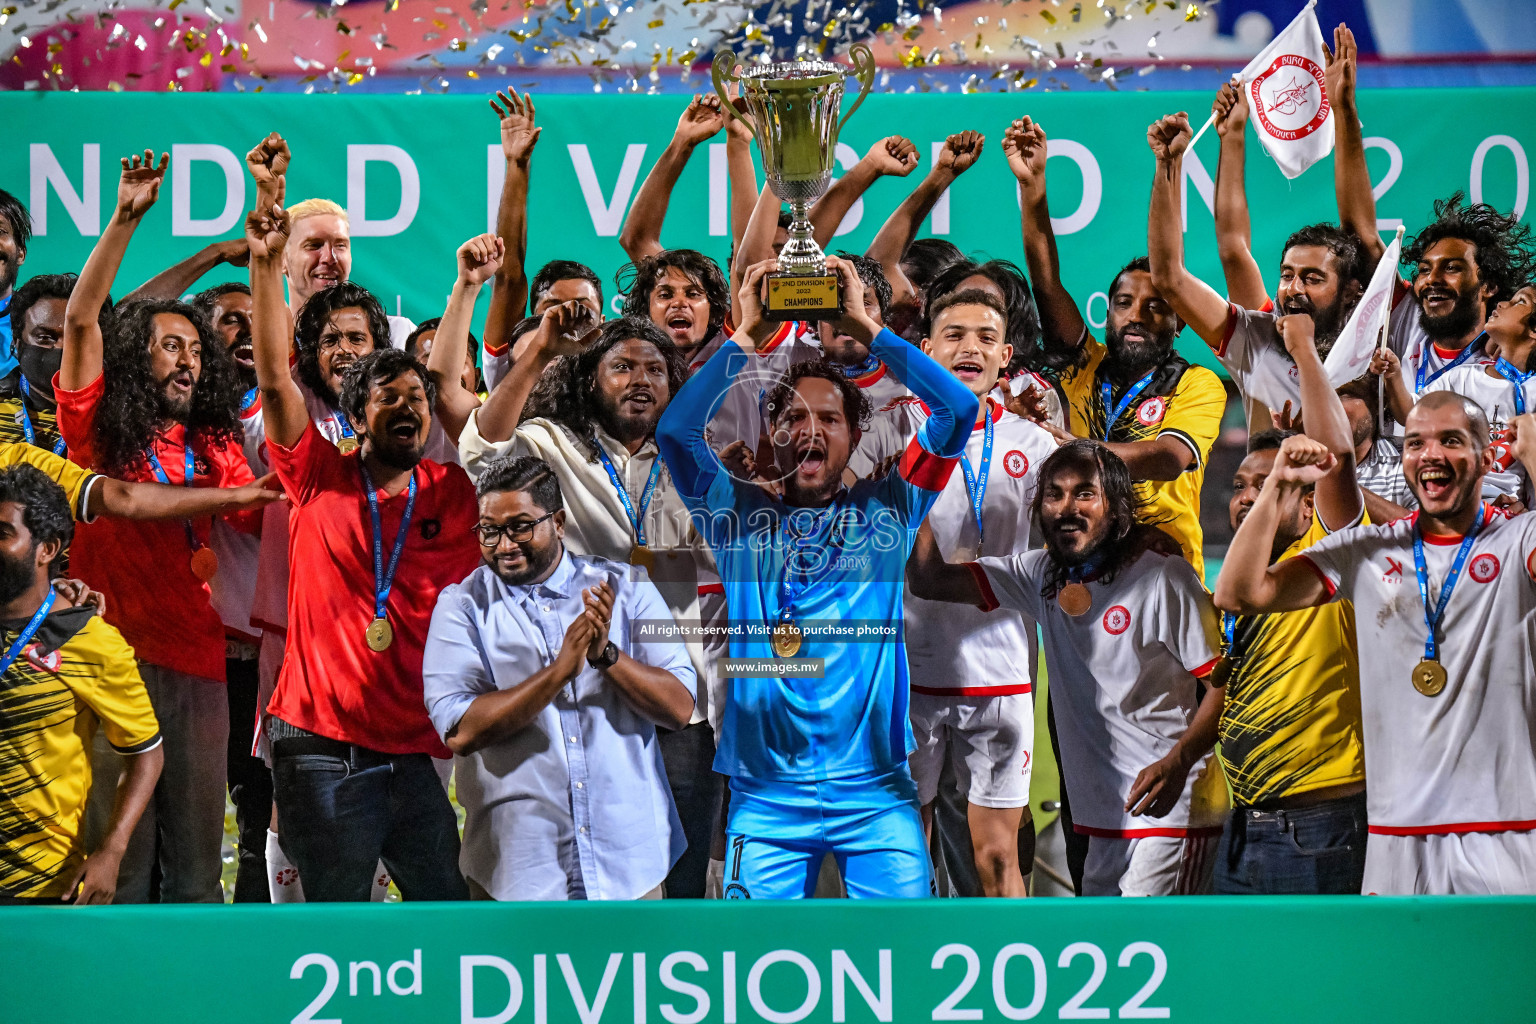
[957,650]
[576,804]
[596,524]
[1465,760]
[1123,685]
[1496,396]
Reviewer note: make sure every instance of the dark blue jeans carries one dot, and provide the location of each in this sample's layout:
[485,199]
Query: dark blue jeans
[1310,851]
[340,815]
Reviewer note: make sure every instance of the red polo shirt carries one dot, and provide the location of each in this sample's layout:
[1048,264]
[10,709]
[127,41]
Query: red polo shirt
[145,569]
[332,683]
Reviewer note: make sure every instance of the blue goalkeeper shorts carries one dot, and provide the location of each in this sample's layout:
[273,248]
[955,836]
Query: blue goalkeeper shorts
[779,832]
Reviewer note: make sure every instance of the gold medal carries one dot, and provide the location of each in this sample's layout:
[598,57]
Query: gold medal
[787,639]
[1429,677]
[1074,599]
[347,445]
[642,557]
[205,564]
[379,634]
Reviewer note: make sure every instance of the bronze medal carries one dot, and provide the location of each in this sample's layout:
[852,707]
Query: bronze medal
[347,445]
[787,639]
[642,557]
[379,635]
[1429,678]
[1074,599]
[205,564]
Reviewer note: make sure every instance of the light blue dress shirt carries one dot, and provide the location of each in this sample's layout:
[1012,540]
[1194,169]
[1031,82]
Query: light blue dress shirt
[576,805]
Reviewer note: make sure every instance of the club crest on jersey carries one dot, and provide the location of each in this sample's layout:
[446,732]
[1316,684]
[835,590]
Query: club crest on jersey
[1484,567]
[1117,620]
[47,662]
[1289,98]
[1016,463]
[1151,412]
[1294,373]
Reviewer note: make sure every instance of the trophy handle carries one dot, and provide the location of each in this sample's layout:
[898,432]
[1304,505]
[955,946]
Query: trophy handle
[724,70]
[863,69]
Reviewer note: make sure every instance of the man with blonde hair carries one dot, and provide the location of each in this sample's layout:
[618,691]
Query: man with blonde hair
[319,256]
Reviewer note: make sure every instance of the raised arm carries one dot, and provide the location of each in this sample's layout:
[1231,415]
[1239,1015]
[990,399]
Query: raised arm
[1061,322]
[1394,385]
[1196,302]
[1234,237]
[509,293]
[641,234]
[742,175]
[890,243]
[1338,498]
[478,260]
[1248,584]
[176,281]
[564,330]
[893,155]
[1351,176]
[137,190]
[284,415]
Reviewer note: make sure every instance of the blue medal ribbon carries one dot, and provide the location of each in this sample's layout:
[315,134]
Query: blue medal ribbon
[794,544]
[1433,615]
[1229,630]
[1420,381]
[346,428]
[870,364]
[154,461]
[384,577]
[27,632]
[976,481]
[26,420]
[1506,369]
[636,519]
[1112,412]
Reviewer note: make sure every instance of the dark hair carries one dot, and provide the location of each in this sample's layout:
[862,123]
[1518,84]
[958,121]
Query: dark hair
[1269,440]
[44,505]
[47,286]
[638,279]
[130,402]
[1477,419]
[1364,389]
[522,327]
[522,473]
[1019,311]
[312,319]
[965,297]
[1140,263]
[380,366]
[562,270]
[1346,249]
[926,258]
[1504,251]
[431,324]
[21,221]
[205,299]
[855,403]
[873,276]
[1119,498]
[565,393]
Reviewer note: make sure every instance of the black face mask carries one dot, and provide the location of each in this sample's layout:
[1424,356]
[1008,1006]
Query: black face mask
[38,365]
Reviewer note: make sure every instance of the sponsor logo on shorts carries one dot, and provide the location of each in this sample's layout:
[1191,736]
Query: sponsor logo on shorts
[1151,412]
[1484,568]
[1117,620]
[1016,463]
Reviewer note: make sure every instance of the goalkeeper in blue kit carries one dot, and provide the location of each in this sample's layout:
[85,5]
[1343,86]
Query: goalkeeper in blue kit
[817,765]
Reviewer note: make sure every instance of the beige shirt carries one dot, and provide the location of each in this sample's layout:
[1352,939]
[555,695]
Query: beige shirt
[596,524]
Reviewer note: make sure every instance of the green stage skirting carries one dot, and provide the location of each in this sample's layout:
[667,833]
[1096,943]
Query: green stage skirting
[1256,960]
[420,174]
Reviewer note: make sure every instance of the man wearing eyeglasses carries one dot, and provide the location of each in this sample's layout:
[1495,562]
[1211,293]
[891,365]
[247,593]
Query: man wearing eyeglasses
[540,677]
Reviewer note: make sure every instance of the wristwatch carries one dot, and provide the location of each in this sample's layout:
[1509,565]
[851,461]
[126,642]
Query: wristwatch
[607,659]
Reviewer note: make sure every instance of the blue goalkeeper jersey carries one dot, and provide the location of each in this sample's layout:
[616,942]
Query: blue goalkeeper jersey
[846,564]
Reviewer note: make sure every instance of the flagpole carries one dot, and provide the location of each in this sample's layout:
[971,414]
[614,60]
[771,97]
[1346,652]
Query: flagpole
[1203,128]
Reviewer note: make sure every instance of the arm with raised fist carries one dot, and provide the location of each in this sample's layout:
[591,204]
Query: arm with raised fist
[1337,499]
[509,292]
[895,156]
[284,414]
[478,261]
[137,189]
[566,329]
[641,234]
[1196,302]
[1234,235]
[1061,322]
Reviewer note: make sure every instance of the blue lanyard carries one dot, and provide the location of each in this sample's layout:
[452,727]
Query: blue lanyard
[1082,572]
[1461,357]
[1112,413]
[636,519]
[1433,616]
[1506,369]
[154,461]
[870,364]
[976,482]
[384,578]
[59,445]
[346,431]
[794,544]
[27,632]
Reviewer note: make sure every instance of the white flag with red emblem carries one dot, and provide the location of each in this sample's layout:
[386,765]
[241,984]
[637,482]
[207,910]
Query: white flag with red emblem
[1287,103]
[1367,326]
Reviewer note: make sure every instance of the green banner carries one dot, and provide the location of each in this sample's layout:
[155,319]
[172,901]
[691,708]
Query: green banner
[420,174]
[1203,959]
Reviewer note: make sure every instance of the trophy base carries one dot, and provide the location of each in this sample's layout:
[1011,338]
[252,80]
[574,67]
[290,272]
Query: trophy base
[803,297]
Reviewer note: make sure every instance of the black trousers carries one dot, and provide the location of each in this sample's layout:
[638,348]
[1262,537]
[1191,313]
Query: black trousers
[689,756]
[250,785]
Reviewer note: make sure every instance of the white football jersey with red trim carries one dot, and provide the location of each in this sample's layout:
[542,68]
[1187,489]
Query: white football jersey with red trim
[1496,396]
[955,649]
[1123,684]
[1464,760]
